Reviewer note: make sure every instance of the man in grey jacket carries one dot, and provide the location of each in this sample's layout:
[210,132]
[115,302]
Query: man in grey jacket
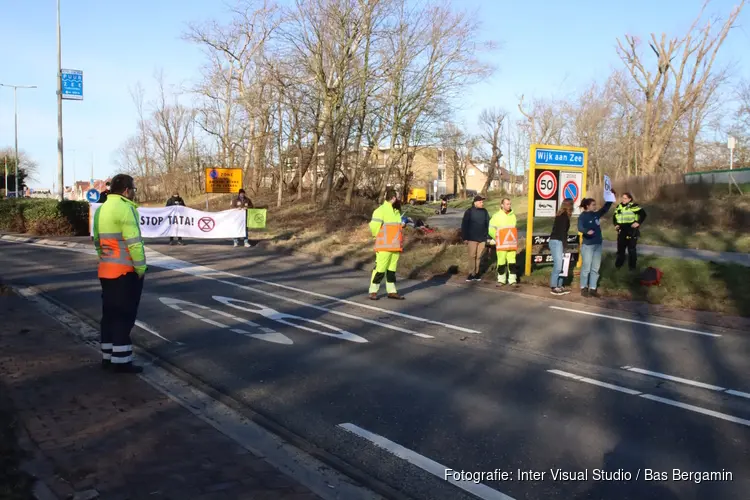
[474,228]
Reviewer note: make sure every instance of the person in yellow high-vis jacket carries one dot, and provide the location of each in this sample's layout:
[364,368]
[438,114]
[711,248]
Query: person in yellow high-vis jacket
[388,231]
[503,231]
[122,265]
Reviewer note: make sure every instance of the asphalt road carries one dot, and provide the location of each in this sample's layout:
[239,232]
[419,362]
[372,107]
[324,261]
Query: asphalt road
[454,377]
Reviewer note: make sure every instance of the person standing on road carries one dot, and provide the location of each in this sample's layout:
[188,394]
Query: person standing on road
[104,194]
[474,228]
[558,239]
[503,230]
[122,266]
[388,230]
[176,201]
[242,202]
[628,218]
[591,250]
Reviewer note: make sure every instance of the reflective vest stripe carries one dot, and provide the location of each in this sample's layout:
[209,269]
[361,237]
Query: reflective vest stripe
[625,215]
[390,238]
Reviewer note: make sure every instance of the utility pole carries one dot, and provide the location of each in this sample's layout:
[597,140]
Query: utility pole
[60,180]
[15,117]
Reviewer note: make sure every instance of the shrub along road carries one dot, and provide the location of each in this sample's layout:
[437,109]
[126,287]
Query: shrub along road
[471,380]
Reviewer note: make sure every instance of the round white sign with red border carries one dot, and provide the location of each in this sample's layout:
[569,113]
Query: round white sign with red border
[546,185]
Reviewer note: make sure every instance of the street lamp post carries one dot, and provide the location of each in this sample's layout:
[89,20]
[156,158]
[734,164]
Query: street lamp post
[60,180]
[15,112]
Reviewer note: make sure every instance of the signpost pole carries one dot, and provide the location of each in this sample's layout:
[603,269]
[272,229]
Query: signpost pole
[60,180]
[530,214]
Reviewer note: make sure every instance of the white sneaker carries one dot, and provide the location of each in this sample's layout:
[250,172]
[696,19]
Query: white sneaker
[235,244]
[247,244]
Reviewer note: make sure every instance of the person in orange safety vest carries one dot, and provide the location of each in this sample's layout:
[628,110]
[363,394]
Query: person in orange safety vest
[122,265]
[388,230]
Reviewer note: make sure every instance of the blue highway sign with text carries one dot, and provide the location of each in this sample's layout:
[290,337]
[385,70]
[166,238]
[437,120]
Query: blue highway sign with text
[559,158]
[72,84]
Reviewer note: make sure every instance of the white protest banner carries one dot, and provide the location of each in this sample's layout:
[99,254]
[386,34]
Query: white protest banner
[166,222]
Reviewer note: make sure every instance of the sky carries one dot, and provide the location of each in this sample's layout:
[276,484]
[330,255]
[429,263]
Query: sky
[548,48]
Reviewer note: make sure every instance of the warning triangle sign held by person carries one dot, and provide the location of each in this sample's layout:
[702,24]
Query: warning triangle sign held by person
[507,239]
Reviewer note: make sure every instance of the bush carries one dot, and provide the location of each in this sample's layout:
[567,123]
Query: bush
[44,217]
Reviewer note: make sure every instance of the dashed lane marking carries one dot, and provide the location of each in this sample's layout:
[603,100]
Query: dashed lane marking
[687,381]
[638,322]
[651,397]
[426,464]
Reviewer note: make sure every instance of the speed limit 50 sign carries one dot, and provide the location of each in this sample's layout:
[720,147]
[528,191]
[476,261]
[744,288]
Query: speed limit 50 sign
[546,184]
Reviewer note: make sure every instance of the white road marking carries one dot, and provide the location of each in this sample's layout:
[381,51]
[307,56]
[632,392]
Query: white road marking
[698,409]
[658,399]
[424,463]
[157,259]
[628,320]
[330,311]
[595,382]
[357,304]
[739,394]
[269,334]
[214,323]
[153,331]
[284,318]
[687,381]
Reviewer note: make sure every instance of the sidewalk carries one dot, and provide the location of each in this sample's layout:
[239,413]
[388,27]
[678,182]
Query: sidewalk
[111,435]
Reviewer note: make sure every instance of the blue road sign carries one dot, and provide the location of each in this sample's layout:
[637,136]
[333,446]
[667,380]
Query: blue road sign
[72,84]
[214,174]
[92,195]
[570,190]
[559,158]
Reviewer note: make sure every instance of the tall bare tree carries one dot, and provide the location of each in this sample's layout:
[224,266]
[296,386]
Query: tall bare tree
[491,122]
[671,89]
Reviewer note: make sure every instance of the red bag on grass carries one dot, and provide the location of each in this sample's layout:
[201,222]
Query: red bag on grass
[651,276]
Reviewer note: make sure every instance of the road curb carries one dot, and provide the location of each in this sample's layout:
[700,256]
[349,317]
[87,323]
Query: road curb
[43,241]
[259,418]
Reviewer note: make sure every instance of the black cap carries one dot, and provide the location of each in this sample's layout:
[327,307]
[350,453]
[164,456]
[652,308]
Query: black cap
[478,197]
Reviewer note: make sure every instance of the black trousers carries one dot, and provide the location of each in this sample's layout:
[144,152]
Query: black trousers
[626,240]
[120,300]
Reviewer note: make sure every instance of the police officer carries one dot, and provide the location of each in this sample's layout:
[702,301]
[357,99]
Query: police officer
[176,200]
[628,218]
[122,265]
[387,229]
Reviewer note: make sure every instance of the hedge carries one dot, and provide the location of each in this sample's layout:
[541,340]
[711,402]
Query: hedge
[45,217]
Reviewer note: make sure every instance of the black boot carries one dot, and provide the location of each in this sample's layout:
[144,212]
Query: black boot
[127,368]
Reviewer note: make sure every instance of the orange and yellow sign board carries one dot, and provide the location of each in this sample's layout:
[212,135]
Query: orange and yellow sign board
[223,180]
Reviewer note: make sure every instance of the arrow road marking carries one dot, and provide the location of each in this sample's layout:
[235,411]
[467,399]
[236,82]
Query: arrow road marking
[269,335]
[284,318]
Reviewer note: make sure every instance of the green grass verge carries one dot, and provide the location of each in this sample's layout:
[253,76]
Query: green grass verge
[698,285]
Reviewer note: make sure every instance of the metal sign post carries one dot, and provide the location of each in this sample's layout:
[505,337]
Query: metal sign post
[555,173]
[731,143]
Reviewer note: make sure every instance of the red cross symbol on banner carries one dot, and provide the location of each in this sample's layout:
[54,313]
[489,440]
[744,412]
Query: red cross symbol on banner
[206,224]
